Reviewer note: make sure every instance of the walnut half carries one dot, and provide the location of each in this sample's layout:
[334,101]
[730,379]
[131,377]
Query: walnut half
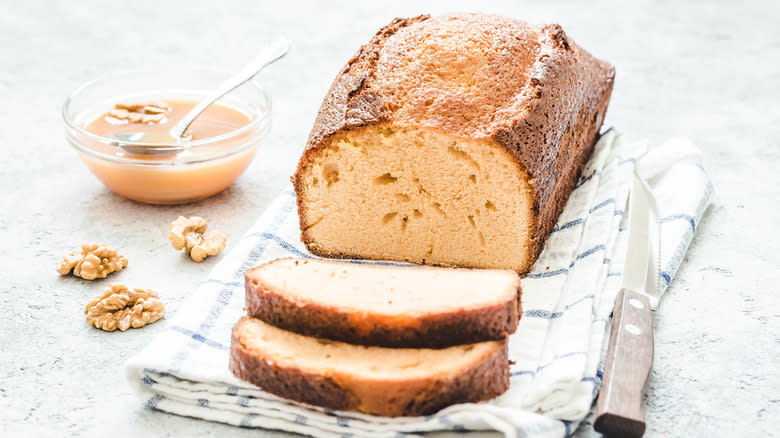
[190,234]
[120,308]
[95,260]
[141,112]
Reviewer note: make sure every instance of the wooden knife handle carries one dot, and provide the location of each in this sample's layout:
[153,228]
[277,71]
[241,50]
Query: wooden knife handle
[629,358]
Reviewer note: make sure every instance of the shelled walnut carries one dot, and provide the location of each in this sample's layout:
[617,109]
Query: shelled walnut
[95,260]
[190,234]
[120,308]
[143,112]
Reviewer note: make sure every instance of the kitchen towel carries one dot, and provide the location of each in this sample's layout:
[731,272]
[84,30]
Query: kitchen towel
[557,351]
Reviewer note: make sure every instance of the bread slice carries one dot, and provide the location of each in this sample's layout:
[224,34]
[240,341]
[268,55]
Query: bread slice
[453,140]
[375,380]
[390,306]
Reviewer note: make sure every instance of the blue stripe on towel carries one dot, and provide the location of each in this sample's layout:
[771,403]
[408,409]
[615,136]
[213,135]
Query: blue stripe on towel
[586,253]
[561,356]
[580,221]
[246,422]
[545,314]
[154,401]
[222,283]
[341,421]
[684,217]
[590,251]
[581,299]
[457,427]
[601,205]
[198,337]
[568,225]
[287,246]
[542,314]
[548,273]
[584,179]
[567,426]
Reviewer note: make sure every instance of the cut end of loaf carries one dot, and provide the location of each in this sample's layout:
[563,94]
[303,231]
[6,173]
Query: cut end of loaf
[417,195]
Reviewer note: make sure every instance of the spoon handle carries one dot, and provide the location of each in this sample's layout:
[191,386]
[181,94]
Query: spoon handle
[275,52]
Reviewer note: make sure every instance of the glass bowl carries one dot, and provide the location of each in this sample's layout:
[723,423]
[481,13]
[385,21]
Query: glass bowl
[207,167]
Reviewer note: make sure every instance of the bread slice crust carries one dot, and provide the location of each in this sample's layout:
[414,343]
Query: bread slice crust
[549,121]
[435,329]
[332,388]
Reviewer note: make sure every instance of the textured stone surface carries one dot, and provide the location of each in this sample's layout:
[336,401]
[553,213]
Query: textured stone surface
[707,71]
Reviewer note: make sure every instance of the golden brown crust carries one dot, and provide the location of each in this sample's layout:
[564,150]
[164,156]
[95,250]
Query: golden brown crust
[528,88]
[434,330]
[481,381]
[553,141]
[286,382]
[348,103]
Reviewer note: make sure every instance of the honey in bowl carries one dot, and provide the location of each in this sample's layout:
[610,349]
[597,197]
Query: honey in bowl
[156,119]
[220,147]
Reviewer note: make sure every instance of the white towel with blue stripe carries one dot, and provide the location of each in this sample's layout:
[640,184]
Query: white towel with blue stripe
[557,351]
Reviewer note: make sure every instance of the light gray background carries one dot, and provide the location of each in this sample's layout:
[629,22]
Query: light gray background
[708,71]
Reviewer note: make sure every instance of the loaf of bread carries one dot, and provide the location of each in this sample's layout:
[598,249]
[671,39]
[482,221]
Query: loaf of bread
[374,380]
[453,140]
[388,306]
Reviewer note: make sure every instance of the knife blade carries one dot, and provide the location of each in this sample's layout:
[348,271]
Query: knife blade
[630,355]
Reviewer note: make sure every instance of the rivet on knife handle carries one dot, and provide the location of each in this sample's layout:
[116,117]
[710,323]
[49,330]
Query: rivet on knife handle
[629,358]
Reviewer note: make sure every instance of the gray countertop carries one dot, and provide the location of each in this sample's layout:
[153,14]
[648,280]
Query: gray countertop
[708,71]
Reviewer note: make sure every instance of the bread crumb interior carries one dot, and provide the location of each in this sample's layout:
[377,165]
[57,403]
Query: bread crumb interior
[417,195]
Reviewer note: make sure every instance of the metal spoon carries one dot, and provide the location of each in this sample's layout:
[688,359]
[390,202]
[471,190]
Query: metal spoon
[276,51]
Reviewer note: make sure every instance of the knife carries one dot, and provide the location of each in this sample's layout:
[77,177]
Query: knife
[630,355]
